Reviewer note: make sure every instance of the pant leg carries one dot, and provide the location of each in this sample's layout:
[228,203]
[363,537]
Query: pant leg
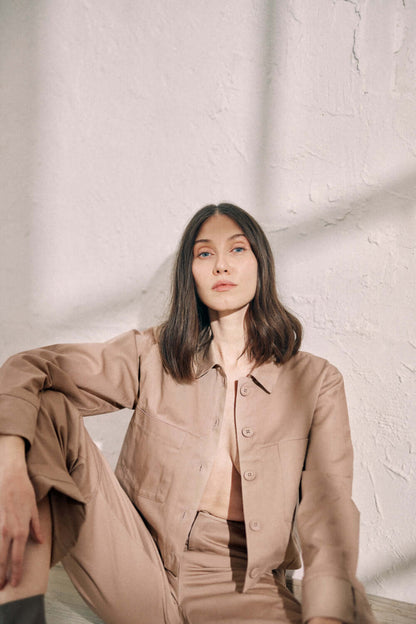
[211,579]
[97,532]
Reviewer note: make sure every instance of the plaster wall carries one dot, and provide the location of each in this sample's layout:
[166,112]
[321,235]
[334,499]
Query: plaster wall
[120,118]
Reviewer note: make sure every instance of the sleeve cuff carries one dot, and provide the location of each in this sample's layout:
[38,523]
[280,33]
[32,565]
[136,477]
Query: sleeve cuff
[17,417]
[328,596]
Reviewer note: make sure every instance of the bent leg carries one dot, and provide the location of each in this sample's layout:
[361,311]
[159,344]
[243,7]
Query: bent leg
[96,530]
[115,564]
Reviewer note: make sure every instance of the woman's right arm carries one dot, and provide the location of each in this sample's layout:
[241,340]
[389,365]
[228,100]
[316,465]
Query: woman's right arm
[18,510]
[96,377]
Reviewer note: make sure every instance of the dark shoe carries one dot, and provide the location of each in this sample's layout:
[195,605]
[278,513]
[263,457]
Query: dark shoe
[25,611]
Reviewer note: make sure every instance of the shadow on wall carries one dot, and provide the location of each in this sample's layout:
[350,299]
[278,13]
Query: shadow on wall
[266,105]
[143,301]
[19,125]
[396,198]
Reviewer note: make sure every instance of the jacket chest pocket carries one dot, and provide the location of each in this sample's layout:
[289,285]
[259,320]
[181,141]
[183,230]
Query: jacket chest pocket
[153,455]
[291,457]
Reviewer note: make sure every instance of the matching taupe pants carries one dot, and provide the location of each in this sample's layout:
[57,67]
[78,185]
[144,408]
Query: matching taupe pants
[111,556]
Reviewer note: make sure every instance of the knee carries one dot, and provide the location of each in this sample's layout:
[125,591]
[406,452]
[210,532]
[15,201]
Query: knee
[57,412]
[58,431]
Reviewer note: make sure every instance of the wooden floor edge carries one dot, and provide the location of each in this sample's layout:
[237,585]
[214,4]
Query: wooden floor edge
[296,584]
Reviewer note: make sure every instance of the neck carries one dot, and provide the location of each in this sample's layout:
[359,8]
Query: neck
[229,338]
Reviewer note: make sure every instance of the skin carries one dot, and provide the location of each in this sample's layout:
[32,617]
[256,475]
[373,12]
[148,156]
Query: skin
[221,253]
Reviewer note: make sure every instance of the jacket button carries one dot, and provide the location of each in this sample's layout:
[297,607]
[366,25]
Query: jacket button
[247,432]
[254,572]
[249,475]
[244,390]
[254,525]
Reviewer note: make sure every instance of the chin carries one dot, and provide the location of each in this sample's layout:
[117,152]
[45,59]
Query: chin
[226,310]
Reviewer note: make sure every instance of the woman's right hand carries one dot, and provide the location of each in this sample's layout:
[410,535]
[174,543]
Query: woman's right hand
[19,516]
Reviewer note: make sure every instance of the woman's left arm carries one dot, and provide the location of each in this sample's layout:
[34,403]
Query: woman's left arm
[327,519]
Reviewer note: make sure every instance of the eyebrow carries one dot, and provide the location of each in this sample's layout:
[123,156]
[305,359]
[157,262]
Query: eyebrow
[207,240]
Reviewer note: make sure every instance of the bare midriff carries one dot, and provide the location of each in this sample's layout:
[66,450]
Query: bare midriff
[222,496]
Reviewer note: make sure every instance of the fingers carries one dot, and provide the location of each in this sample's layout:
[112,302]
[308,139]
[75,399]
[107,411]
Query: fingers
[11,556]
[17,556]
[4,556]
[18,516]
[13,542]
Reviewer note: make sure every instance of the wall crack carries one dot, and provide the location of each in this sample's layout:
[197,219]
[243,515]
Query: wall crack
[354,51]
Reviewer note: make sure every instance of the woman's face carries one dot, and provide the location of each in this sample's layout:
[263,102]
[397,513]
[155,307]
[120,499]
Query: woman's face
[224,266]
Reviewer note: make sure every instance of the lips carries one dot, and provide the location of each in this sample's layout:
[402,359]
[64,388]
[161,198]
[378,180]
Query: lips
[223,286]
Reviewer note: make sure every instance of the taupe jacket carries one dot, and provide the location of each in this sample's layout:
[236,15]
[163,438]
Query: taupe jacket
[293,441]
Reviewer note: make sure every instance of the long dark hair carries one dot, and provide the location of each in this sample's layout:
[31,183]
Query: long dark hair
[272,332]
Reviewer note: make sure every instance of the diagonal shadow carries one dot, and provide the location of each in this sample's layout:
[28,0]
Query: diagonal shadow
[396,197]
[391,568]
[265,101]
[18,116]
[142,302]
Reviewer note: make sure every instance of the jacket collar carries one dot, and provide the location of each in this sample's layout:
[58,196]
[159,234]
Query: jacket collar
[264,375]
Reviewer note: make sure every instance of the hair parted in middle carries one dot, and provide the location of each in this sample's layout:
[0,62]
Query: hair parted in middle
[272,333]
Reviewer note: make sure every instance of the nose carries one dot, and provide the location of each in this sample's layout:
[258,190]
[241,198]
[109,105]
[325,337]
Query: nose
[221,266]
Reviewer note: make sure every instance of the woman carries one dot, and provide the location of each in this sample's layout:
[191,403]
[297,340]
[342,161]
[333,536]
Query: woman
[230,420]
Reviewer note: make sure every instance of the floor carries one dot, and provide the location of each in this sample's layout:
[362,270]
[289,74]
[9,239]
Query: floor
[64,605]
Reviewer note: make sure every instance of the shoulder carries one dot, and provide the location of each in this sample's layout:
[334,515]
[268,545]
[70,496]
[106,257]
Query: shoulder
[303,359]
[308,366]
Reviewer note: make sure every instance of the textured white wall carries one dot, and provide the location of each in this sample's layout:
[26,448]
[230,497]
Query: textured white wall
[120,118]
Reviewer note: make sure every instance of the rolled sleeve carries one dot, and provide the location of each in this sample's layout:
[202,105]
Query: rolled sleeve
[327,596]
